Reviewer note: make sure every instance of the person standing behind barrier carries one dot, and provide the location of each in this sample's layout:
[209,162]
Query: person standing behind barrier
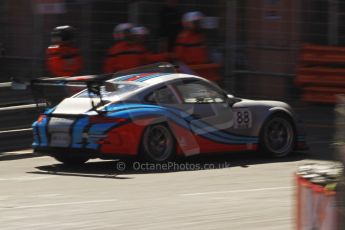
[124,54]
[189,46]
[140,34]
[63,58]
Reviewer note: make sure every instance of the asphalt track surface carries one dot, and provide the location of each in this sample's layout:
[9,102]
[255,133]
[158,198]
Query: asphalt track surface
[226,191]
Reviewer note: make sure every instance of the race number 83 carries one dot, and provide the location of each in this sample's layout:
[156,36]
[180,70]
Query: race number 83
[242,119]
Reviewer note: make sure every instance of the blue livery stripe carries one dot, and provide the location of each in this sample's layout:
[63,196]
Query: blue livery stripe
[135,111]
[77,135]
[124,78]
[149,77]
[97,129]
[140,78]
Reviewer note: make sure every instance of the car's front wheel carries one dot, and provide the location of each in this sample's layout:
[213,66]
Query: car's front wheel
[277,136]
[158,144]
[71,160]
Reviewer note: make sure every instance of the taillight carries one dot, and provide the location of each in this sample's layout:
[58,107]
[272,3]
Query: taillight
[41,118]
[102,120]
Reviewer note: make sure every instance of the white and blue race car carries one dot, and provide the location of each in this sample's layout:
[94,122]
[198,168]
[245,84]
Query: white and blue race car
[157,114]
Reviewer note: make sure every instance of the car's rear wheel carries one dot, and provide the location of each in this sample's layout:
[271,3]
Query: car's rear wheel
[158,144]
[71,160]
[277,136]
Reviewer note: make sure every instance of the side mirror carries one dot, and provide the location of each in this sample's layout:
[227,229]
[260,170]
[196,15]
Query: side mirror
[232,100]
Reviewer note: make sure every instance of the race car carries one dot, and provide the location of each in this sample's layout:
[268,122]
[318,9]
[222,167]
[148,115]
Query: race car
[157,114]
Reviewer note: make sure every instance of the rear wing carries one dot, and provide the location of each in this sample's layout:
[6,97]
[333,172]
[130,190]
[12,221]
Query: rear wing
[48,92]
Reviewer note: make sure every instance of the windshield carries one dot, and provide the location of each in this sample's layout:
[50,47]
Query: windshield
[120,89]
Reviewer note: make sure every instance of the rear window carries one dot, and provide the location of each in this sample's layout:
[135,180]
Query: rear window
[121,89]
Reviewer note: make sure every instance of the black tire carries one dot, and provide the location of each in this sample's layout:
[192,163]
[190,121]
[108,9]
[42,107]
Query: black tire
[277,137]
[158,144]
[71,160]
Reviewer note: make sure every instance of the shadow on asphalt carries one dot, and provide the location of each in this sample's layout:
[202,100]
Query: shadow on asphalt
[9,156]
[119,169]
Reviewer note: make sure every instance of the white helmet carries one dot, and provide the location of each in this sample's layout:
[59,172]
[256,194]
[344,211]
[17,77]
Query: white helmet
[192,16]
[189,19]
[120,30]
[140,30]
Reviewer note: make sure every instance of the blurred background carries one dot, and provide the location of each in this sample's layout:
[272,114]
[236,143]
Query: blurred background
[289,50]
[255,41]
[260,47]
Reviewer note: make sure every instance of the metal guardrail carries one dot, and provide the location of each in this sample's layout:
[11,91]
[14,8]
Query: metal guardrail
[5,84]
[17,117]
[9,97]
[15,139]
[17,112]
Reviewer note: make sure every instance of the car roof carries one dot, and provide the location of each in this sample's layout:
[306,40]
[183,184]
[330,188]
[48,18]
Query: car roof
[150,79]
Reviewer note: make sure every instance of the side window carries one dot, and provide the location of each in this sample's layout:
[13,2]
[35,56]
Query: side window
[200,92]
[162,96]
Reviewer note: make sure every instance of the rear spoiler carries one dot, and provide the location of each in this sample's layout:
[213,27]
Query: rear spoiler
[69,80]
[51,91]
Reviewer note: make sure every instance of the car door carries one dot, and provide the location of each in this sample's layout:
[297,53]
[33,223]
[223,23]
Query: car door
[168,97]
